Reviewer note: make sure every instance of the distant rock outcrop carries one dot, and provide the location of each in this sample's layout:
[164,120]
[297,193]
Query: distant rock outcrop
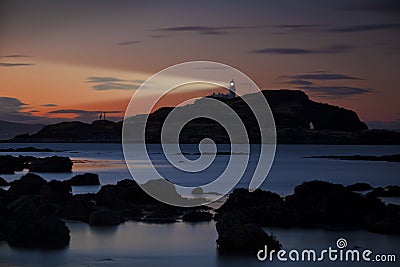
[292,109]
[76,131]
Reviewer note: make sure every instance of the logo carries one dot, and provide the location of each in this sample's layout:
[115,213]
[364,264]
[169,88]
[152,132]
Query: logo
[183,76]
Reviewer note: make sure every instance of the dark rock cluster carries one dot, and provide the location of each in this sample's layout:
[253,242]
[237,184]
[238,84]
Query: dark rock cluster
[32,210]
[10,164]
[314,204]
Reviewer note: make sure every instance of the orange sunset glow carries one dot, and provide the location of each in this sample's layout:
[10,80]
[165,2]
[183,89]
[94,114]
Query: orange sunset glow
[70,61]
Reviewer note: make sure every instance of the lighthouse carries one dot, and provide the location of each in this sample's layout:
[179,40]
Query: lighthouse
[232,89]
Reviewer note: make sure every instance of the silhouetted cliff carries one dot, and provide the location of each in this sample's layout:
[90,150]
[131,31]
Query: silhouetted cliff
[293,113]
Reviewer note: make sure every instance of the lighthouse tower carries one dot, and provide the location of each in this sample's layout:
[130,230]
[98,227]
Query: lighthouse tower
[232,89]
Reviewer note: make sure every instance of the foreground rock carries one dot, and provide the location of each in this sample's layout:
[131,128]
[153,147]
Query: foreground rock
[388,191]
[3,182]
[51,164]
[238,237]
[30,223]
[104,218]
[29,184]
[197,216]
[56,191]
[10,164]
[45,232]
[313,204]
[84,179]
[78,208]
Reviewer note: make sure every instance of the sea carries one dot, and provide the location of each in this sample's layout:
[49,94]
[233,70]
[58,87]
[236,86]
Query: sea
[188,244]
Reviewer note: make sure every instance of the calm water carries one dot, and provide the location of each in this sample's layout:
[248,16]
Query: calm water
[183,244]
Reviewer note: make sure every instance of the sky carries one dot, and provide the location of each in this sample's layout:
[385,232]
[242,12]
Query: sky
[70,60]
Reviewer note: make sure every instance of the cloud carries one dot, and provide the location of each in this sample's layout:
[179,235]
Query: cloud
[11,109]
[336,92]
[16,56]
[87,115]
[49,105]
[364,28]
[298,82]
[82,111]
[11,104]
[333,49]
[113,83]
[295,28]
[128,43]
[215,30]
[4,64]
[322,76]
[115,86]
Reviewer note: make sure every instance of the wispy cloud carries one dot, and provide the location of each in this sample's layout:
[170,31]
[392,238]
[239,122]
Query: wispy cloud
[5,64]
[364,28]
[81,111]
[333,49]
[322,76]
[215,30]
[115,86]
[129,43]
[49,105]
[16,56]
[298,82]
[113,83]
[336,92]
[87,115]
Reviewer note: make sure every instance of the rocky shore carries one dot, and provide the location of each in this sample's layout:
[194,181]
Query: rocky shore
[33,211]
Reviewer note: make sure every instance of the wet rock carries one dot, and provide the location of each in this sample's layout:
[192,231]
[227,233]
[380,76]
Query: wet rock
[5,199]
[260,207]
[3,182]
[29,184]
[163,214]
[51,164]
[56,191]
[322,203]
[25,207]
[45,232]
[104,218]
[388,191]
[10,164]
[133,213]
[76,209]
[197,216]
[84,179]
[237,237]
